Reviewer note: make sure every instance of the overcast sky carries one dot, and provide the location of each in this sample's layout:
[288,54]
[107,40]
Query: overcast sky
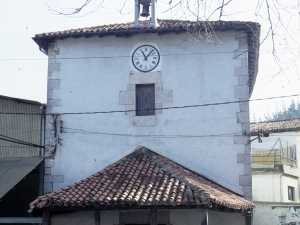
[23,68]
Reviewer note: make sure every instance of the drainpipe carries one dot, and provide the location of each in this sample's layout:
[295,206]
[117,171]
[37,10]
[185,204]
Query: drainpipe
[281,194]
[206,216]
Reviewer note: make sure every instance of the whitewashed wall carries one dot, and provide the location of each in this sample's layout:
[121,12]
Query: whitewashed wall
[88,74]
[267,187]
[266,214]
[273,187]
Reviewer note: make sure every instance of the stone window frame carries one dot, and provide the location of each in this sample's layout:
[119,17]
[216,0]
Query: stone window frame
[128,97]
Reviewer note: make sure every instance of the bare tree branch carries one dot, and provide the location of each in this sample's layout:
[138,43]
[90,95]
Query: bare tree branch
[275,15]
[72,12]
[221,10]
[172,6]
[272,36]
[220,7]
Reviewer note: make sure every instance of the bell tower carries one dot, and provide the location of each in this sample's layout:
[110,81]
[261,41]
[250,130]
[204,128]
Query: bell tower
[144,5]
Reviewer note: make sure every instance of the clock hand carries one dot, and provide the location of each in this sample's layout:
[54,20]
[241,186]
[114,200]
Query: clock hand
[145,58]
[149,54]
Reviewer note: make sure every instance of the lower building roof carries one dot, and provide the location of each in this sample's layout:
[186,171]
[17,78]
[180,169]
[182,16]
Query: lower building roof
[12,170]
[142,179]
[275,126]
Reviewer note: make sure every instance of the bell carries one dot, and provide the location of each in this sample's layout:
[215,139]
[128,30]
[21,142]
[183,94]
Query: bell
[145,12]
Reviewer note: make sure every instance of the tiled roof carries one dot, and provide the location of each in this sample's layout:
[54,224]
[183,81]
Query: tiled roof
[165,26]
[122,29]
[142,179]
[275,127]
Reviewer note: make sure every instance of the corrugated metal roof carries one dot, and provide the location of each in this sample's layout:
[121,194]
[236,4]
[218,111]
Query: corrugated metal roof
[12,170]
[21,100]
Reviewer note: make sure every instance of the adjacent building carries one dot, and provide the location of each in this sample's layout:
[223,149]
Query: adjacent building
[275,168]
[21,155]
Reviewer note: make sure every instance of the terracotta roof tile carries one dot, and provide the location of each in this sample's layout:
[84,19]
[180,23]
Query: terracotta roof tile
[162,24]
[143,178]
[275,126]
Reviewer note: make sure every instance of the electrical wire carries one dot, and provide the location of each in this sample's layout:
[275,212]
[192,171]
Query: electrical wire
[164,108]
[12,146]
[264,51]
[17,141]
[122,56]
[25,131]
[80,131]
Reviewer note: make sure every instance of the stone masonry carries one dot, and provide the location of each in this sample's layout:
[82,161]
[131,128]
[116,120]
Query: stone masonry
[241,93]
[127,98]
[52,121]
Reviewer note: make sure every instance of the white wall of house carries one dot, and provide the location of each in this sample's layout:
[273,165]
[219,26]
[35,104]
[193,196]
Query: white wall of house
[273,187]
[266,187]
[92,75]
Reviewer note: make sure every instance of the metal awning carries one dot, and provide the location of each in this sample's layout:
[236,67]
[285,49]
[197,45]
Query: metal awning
[12,170]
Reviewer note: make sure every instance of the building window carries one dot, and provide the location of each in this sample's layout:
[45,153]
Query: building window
[291,192]
[145,99]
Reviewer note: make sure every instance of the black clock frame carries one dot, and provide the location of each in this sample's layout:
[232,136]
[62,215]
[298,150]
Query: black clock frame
[153,67]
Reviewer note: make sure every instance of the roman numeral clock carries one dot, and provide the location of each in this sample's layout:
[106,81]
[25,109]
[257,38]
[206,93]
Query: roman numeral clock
[145,58]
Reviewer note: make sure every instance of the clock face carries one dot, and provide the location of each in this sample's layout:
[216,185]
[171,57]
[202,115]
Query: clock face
[145,58]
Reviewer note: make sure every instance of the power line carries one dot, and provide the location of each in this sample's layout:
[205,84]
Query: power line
[13,146]
[122,56]
[26,131]
[165,108]
[80,131]
[17,141]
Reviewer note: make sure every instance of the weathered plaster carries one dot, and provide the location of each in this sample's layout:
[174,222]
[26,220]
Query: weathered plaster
[281,214]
